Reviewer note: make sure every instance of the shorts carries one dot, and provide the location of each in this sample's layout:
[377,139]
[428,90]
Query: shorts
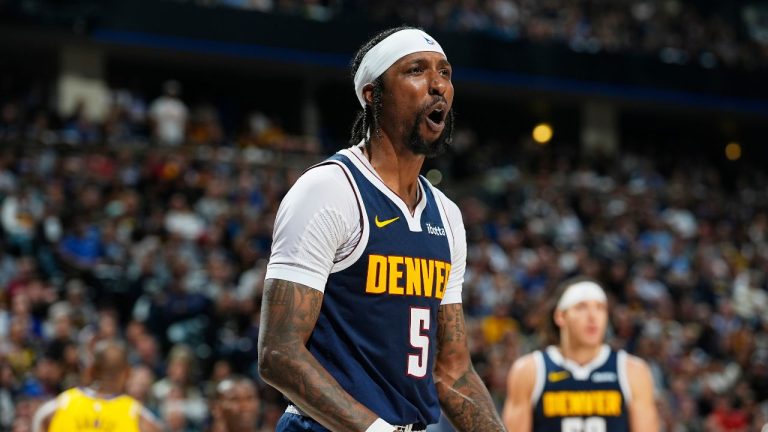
[297,423]
[291,422]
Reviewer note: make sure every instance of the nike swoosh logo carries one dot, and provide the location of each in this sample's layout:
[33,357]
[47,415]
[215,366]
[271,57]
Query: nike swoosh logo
[558,376]
[382,224]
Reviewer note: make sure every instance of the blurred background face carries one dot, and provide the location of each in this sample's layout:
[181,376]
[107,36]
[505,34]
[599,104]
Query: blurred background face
[584,323]
[49,372]
[240,407]
[178,370]
[140,383]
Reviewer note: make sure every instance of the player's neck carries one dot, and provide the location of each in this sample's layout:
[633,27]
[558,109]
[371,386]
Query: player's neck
[397,166]
[579,354]
[105,389]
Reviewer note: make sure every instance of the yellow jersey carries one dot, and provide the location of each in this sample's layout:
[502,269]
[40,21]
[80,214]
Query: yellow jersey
[78,410]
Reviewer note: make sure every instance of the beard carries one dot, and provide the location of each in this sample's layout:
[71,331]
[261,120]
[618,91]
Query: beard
[416,142]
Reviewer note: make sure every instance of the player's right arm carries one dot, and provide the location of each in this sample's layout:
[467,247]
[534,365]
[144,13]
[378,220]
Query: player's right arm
[289,313]
[518,410]
[316,220]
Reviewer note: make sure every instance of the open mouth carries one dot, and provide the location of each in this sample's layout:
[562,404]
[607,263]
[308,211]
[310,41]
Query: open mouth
[437,116]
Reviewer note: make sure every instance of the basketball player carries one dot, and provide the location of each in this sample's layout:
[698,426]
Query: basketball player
[101,406]
[581,385]
[362,326]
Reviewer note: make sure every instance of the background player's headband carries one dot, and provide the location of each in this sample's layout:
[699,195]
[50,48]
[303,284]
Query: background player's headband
[579,292]
[385,53]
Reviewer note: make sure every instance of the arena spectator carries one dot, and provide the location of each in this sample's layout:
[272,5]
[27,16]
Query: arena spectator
[169,115]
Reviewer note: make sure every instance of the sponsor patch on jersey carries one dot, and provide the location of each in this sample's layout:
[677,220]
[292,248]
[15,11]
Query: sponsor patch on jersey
[558,376]
[435,230]
[603,377]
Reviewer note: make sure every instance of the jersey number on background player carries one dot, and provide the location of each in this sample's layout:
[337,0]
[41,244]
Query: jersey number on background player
[589,424]
[417,363]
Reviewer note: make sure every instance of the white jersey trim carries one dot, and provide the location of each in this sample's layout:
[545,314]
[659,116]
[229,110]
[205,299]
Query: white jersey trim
[295,274]
[457,243]
[541,377]
[359,248]
[45,412]
[355,154]
[621,369]
[579,373]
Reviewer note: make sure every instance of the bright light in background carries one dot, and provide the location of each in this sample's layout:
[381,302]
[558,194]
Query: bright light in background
[542,133]
[434,176]
[733,151]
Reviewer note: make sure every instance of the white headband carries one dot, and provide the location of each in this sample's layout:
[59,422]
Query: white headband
[385,53]
[579,292]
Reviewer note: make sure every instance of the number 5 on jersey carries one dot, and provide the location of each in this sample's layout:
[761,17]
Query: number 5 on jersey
[419,324]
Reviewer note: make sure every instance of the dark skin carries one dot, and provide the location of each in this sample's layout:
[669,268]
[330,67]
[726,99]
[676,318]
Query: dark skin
[237,407]
[415,83]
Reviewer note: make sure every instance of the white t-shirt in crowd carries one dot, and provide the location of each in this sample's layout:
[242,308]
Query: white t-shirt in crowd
[170,117]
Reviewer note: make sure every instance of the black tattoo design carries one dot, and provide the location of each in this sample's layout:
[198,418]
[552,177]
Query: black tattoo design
[463,396]
[288,316]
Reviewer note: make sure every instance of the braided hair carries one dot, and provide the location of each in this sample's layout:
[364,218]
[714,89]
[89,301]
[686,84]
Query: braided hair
[368,118]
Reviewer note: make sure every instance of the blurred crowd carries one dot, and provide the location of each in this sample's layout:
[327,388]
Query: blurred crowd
[318,10]
[164,246]
[154,226]
[682,255]
[676,31]
[161,248]
[167,120]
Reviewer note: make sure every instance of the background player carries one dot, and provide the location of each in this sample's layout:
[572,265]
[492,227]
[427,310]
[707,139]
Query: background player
[362,326]
[580,385]
[101,406]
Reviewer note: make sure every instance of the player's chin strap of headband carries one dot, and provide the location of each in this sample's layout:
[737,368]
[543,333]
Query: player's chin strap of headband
[579,292]
[385,53]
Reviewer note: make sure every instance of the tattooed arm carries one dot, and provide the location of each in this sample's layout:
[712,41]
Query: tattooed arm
[288,315]
[463,396]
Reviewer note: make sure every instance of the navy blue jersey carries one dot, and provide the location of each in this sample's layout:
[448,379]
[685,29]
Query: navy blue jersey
[376,332]
[573,398]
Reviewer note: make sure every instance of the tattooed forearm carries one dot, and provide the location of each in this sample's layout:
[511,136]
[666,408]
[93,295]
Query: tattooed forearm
[288,315]
[463,396]
[468,405]
[451,324]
